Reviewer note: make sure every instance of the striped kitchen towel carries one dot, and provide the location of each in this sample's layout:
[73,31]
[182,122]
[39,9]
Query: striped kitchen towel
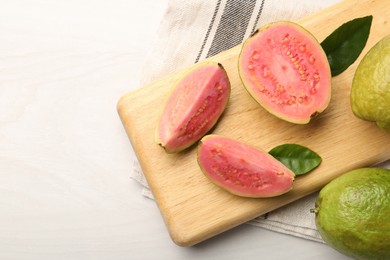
[194,30]
[197,29]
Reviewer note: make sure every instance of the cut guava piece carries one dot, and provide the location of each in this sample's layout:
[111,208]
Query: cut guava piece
[195,104]
[284,68]
[242,169]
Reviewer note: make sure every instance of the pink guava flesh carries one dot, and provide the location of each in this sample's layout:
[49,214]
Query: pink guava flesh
[285,69]
[242,169]
[194,106]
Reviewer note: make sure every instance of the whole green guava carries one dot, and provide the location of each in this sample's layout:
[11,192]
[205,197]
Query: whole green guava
[370,92]
[353,213]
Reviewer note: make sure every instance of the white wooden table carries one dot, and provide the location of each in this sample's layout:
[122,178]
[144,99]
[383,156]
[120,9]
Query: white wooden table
[65,160]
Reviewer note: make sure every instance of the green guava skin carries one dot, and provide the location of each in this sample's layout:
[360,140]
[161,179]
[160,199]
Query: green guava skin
[370,92]
[353,213]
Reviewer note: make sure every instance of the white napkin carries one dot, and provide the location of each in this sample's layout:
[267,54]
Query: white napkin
[196,29]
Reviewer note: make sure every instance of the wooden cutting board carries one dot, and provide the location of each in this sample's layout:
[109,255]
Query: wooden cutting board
[193,208]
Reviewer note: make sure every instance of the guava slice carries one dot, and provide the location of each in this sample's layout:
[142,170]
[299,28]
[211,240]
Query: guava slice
[241,169]
[195,104]
[285,69]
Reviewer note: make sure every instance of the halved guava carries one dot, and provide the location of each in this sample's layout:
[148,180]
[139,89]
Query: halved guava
[196,103]
[285,69]
[242,169]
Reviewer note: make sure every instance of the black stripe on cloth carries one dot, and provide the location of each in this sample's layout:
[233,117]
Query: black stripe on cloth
[258,17]
[232,26]
[208,30]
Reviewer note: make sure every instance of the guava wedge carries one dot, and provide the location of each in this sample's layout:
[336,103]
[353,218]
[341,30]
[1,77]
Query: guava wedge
[284,68]
[242,169]
[195,104]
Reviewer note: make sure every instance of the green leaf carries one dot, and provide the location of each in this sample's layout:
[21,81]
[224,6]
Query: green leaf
[297,158]
[344,45]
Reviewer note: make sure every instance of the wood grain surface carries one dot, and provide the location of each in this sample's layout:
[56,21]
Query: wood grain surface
[193,208]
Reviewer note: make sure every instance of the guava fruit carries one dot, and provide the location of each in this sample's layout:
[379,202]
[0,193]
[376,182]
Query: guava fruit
[195,104]
[370,91]
[353,213]
[284,68]
[241,169]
